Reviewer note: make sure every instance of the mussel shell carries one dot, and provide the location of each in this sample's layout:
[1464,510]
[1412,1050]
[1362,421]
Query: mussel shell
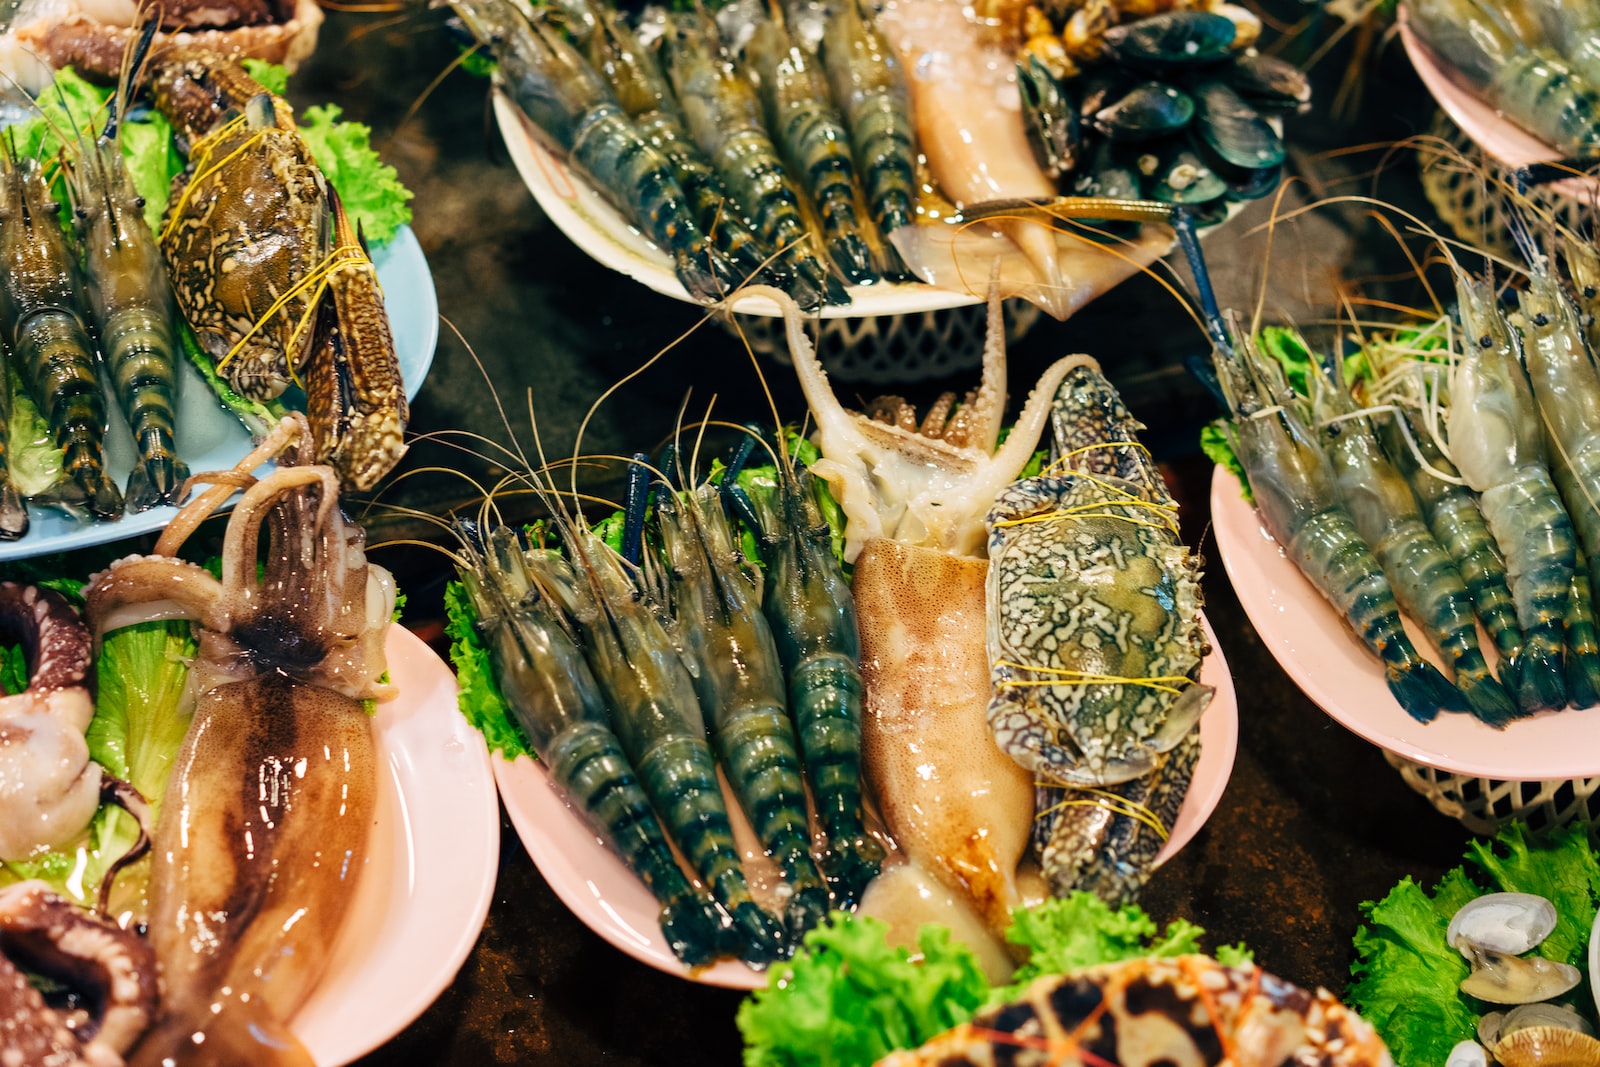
[1050,117]
[1111,173]
[1149,110]
[1182,177]
[1548,1046]
[1232,130]
[1512,923]
[1270,82]
[1173,39]
[1102,87]
[1501,979]
[1467,1053]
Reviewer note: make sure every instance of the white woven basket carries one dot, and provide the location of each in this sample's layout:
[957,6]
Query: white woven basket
[1465,186]
[886,349]
[1483,805]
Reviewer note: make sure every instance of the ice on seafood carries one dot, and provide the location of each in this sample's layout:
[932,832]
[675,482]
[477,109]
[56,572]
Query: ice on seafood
[264,827]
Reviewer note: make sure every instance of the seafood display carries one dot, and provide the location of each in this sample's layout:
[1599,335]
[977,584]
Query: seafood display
[1191,1009]
[805,115]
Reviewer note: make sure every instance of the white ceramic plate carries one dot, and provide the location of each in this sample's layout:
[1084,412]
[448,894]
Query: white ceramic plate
[1491,131]
[601,891]
[211,438]
[431,866]
[598,229]
[1318,651]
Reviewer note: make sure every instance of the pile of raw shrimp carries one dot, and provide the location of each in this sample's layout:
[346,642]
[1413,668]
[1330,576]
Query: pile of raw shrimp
[1449,469]
[615,652]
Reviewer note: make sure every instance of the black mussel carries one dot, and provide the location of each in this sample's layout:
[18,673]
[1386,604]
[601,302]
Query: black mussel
[1182,177]
[1232,131]
[1253,184]
[1101,87]
[1050,116]
[1269,82]
[1149,110]
[1112,172]
[1173,39]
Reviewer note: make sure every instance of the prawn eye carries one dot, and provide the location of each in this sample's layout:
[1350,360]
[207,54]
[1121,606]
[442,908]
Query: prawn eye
[1541,319]
[1486,341]
[82,214]
[138,202]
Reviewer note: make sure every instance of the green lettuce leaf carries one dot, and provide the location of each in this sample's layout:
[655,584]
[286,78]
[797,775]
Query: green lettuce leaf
[849,998]
[1216,441]
[13,670]
[1081,930]
[479,695]
[369,187]
[273,77]
[1562,869]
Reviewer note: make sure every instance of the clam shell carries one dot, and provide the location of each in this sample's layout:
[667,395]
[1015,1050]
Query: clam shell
[1548,1046]
[1489,1028]
[1509,923]
[1558,1015]
[1501,979]
[1467,1054]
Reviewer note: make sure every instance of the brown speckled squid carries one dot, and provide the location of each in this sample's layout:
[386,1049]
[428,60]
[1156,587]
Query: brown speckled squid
[915,496]
[264,827]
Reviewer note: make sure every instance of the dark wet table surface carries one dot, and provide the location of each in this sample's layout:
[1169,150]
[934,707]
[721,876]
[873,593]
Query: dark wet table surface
[1313,821]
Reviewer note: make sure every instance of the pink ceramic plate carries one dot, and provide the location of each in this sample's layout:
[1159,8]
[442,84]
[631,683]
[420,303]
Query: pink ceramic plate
[593,882]
[1312,644]
[1497,135]
[431,866]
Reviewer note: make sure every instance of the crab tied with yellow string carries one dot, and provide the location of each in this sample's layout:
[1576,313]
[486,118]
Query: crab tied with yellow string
[270,271]
[1095,644]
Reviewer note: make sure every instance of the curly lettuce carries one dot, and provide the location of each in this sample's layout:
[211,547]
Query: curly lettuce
[478,695]
[848,998]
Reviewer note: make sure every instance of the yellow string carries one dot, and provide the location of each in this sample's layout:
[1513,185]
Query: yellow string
[342,258]
[1106,801]
[1166,683]
[1061,459]
[205,169]
[1086,511]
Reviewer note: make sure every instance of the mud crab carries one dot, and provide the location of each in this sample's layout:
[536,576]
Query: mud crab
[269,269]
[265,822]
[1095,642]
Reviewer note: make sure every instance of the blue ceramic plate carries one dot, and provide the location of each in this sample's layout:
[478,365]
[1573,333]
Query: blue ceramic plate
[211,438]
